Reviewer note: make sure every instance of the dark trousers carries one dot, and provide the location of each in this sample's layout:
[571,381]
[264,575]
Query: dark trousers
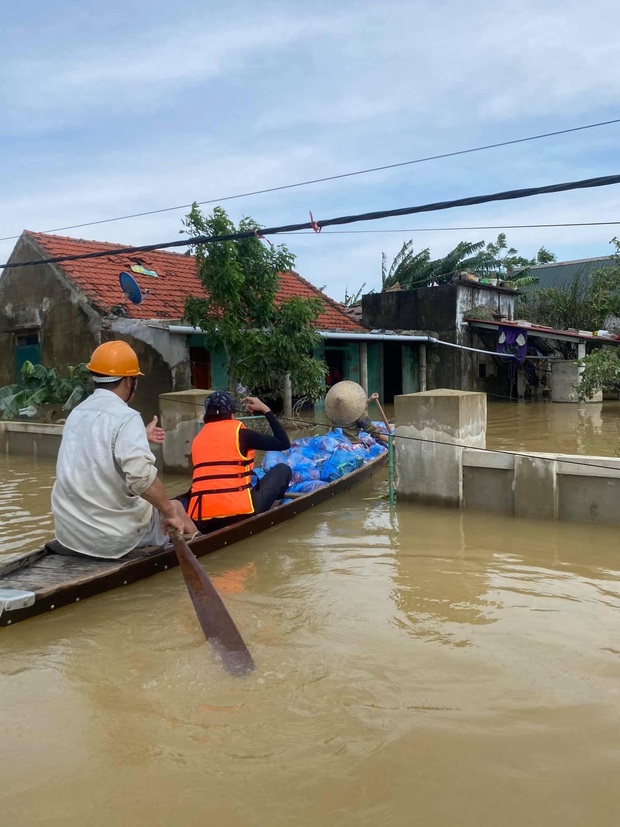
[270,488]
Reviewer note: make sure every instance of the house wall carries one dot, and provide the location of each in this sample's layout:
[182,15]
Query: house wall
[42,298]
[439,311]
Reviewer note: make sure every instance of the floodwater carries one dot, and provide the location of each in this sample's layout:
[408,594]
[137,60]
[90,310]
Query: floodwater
[415,666]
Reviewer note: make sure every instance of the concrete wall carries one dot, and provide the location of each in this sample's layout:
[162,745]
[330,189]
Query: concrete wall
[181,417]
[34,439]
[431,427]
[41,299]
[439,460]
[439,311]
[543,486]
[565,381]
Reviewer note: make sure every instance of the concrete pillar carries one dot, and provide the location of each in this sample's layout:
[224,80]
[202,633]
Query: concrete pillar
[422,362]
[581,352]
[181,415]
[288,396]
[364,366]
[535,488]
[565,377]
[432,428]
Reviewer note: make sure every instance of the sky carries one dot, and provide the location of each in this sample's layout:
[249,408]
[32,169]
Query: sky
[125,107]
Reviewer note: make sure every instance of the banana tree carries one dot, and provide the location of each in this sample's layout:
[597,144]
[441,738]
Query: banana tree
[41,387]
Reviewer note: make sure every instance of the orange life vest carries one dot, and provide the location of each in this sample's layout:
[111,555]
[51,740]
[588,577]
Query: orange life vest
[222,474]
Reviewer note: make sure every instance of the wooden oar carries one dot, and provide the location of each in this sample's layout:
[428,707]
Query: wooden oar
[390,452]
[217,625]
[383,416]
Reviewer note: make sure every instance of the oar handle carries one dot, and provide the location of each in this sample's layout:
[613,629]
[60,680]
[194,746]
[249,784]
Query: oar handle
[383,416]
[390,452]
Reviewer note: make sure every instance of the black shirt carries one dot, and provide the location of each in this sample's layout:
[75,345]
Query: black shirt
[249,439]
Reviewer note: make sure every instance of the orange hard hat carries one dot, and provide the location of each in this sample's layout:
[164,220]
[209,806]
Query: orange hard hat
[114,359]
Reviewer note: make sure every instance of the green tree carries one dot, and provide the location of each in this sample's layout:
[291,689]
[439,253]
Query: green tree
[601,372]
[263,338]
[412,270]
[498,260]
[353,298]
[587,305]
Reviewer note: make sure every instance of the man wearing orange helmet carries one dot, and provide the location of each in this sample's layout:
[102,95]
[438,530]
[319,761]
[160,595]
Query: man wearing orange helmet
[107,499]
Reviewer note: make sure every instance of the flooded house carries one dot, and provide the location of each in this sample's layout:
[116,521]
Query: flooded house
[57,313]
[475,343]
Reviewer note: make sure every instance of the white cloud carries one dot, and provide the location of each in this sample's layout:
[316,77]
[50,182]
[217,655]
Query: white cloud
[113,116]
[139,71]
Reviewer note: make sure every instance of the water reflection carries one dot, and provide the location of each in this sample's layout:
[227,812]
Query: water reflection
[592,429]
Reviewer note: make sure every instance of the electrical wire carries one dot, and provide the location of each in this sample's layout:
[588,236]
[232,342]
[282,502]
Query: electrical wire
[525,454]
[317,226]
[314,424]
[332,177]
[480,227]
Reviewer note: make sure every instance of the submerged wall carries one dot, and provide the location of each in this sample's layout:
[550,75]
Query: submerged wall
[35,439]
[440,458]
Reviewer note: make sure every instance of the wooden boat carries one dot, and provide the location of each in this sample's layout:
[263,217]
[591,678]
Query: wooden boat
[40,581]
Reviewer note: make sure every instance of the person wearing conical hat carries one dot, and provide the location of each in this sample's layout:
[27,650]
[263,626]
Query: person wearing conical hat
[107,499]
[346,407]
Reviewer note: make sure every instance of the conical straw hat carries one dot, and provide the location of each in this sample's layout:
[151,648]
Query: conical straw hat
[345,403]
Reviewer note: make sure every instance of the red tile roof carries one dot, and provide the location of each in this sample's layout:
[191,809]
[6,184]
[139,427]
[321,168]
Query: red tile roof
[176,279]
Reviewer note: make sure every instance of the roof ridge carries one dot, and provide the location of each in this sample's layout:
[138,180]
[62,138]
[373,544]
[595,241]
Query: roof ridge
[105,244]
[565,263]
[336,304]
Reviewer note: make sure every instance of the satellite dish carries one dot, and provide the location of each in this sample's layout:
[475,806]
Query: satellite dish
[131,288]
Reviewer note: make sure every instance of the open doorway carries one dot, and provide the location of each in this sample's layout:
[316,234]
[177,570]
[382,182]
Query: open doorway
[334,359]
[200,365]
[392,371]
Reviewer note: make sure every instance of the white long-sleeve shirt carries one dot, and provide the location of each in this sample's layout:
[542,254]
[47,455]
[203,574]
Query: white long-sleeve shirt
[104,465]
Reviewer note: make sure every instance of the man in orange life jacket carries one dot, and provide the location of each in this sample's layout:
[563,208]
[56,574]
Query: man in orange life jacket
[223,459]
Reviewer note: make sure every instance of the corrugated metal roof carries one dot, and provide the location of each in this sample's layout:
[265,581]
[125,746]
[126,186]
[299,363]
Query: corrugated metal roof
[561,274]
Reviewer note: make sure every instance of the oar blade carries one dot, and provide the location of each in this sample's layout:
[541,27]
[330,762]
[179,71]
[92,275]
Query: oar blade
[217,624]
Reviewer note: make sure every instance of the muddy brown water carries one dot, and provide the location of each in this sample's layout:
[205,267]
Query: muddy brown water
[415,666]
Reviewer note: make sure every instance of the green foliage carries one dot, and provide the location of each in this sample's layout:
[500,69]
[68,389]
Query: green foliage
[263,338]
[412,270]
[493,260]
[41,388]
[602,372]
[586,306]
[498,260]
[352,298]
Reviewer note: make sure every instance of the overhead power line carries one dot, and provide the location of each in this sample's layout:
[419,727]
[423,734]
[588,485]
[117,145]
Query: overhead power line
[462,229]
[336,177]
[330,222]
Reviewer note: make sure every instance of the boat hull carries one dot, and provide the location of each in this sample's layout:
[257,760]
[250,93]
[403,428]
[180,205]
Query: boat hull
[56,580]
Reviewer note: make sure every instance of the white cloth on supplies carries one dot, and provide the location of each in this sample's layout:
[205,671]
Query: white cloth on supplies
[104,465]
